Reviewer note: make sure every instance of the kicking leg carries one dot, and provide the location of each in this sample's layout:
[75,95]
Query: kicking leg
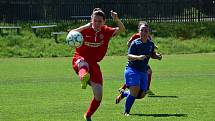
[122,94]
[83,72]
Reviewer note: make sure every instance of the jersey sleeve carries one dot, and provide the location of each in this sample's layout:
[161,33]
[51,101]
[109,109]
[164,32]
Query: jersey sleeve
[132,49]
[133,37]
[110,31]
[153,48]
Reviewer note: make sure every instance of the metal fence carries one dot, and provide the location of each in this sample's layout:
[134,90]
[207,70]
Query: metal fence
[150,10]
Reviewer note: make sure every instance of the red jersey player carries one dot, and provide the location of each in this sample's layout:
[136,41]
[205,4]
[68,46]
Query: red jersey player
[96,37]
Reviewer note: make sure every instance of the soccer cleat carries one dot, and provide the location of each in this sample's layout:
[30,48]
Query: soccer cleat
[150,93]
[87,118]
[121,90]
[119,98]
[85,80]
[126,114]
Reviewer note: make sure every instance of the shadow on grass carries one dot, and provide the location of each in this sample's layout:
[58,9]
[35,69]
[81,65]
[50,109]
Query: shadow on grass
[162,96]
[162,115]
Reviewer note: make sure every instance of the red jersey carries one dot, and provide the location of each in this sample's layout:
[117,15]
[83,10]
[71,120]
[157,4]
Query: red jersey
[135,36]
[95,44]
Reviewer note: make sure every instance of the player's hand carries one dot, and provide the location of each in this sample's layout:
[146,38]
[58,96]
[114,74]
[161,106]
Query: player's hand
[159,56]
[114,15]
[156,47]
[68,30]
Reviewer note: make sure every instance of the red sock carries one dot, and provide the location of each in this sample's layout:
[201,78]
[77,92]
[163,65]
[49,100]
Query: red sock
[82,71]
[149,80]
[123,87]
[92,108]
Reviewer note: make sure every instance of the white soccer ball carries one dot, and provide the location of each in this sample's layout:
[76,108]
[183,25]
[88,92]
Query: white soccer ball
[74,39]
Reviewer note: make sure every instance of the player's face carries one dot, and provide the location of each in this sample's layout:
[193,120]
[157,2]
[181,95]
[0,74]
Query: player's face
[144,31]
[97,22]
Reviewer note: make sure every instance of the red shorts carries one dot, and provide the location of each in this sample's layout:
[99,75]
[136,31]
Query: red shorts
[94,70]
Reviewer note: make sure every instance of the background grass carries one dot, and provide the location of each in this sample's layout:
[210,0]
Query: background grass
[172,38]
[47,89]
[29,45]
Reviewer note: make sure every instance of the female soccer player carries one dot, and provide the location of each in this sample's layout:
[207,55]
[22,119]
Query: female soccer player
[149,70]
[136,78]
[96,37]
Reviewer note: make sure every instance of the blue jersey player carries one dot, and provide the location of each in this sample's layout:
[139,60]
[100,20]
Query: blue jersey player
[136,78]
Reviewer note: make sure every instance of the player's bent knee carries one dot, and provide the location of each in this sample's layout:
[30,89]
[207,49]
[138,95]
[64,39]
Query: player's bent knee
[97,90]
[134,93]
[149,71]
[141,95]
[82,63]
[98,98]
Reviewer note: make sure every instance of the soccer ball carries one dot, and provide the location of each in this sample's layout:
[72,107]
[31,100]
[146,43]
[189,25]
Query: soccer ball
[74,39]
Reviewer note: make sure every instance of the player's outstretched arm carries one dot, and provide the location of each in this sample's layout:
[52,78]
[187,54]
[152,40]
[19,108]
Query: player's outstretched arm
[121,27]
[132,57]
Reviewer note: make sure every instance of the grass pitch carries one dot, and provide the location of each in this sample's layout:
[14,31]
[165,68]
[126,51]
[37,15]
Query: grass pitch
[47,89]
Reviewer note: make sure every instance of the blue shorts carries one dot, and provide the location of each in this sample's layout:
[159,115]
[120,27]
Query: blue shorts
[134,77]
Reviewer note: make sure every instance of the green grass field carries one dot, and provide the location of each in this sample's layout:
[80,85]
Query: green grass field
[47,89]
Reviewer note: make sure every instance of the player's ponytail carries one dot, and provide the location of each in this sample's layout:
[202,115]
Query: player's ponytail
[98,12]
[97,9]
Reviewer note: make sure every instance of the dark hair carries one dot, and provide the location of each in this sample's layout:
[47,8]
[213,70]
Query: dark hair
[98,12]
[143,23]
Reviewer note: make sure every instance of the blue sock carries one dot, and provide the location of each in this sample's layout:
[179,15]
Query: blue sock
[125,93]
[129,102]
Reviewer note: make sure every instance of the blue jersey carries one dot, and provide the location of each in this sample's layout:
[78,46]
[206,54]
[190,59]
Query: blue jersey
[139,48]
